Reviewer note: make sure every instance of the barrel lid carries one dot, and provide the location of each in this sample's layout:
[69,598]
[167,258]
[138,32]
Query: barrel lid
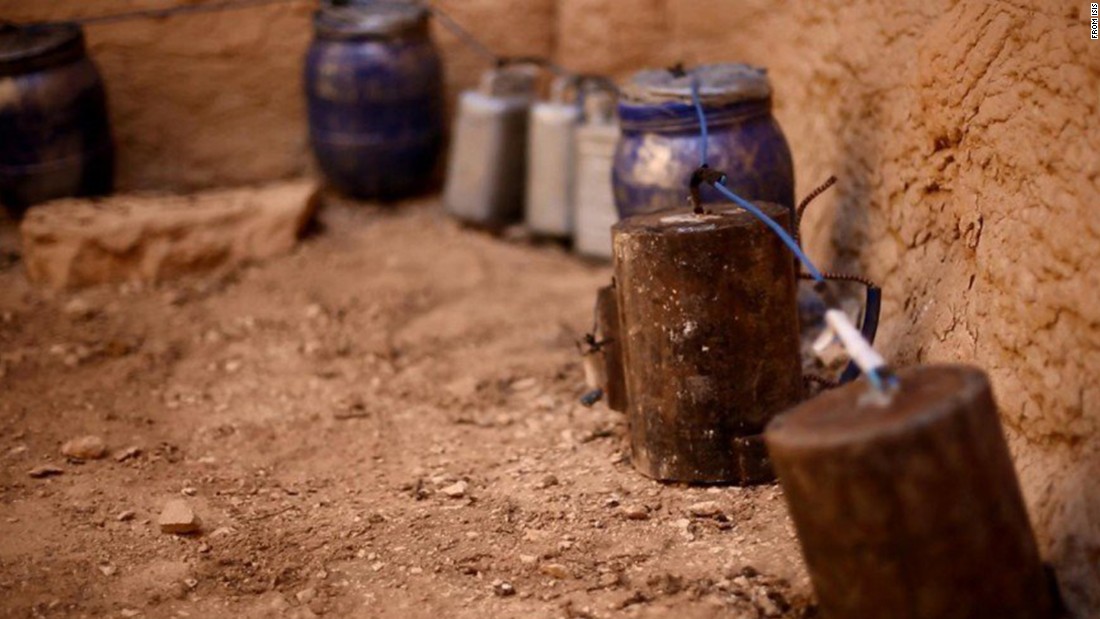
[367,19]
[25,48]
[719,84]
[716,216]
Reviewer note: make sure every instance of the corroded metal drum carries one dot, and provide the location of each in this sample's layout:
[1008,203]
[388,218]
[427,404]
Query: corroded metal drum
[55,137]
[660,146]
[710,340]
[908,505]
[487,170]
[374,87]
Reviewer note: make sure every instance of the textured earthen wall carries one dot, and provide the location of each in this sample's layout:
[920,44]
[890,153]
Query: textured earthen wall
[213,99]
[966,136]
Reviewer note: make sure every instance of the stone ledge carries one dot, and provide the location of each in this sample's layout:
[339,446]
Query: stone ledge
[74,243]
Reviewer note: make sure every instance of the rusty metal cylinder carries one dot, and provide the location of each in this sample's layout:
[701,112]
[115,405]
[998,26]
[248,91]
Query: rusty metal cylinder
[910,508]
[709,327]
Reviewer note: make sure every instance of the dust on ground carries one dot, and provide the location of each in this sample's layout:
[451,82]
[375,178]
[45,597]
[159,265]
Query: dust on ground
[383,424]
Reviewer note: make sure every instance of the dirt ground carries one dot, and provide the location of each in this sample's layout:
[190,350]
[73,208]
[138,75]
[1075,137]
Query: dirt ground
[383,424]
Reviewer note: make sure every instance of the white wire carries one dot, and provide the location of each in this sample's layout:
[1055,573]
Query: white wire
[838,328]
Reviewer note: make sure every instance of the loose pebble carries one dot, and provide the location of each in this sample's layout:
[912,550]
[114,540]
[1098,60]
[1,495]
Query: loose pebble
[503,589]
[705,509]
[178,517]
[126,453]
[85,448]
[547,482]
[45,470]
[554,570]
[456,490]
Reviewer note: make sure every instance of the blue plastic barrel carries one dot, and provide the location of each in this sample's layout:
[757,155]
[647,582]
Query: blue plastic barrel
[660,144]
[55,137]
[374,87]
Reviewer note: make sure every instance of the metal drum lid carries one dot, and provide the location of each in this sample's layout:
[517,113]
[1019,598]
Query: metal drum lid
[719,84]
[369,20]
[24,49]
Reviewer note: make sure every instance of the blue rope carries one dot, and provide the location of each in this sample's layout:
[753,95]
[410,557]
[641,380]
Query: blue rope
[702,120]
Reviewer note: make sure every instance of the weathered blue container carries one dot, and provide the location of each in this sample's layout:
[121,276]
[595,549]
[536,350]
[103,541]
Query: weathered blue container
[374,86]
[55,137]
[660,144]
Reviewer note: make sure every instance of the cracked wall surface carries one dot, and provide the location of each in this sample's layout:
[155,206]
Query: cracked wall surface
[965,134]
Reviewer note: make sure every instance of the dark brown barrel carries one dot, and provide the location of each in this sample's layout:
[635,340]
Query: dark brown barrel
[55,139]
[909,510]
[710,340]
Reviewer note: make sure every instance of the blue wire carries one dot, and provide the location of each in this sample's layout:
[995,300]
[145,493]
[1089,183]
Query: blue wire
[745,204]
[771,223]
[872,374]
[702,120]
[875,379]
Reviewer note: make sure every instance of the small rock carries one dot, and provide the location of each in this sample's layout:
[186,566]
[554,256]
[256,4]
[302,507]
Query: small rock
[705,509]
[126,453]
[306,595]
[178,517]
[126,516]
[636,512]
[46,470]
[129,612]
[85,448]
[528,559]
[503,589]
[107,569]
[189,491]
[547,482]
[191,583]
[554,570]
[463,388]
[608,580]
[456,490]
[524,384]
[79,307]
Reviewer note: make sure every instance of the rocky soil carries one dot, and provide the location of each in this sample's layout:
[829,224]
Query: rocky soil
[384,423]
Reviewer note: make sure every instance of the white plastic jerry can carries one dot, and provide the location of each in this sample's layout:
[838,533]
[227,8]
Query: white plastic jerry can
[593,198]
[487,167]
[550,160]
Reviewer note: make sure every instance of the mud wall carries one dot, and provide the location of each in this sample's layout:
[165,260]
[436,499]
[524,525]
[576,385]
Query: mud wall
[965,135]
[212,99]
